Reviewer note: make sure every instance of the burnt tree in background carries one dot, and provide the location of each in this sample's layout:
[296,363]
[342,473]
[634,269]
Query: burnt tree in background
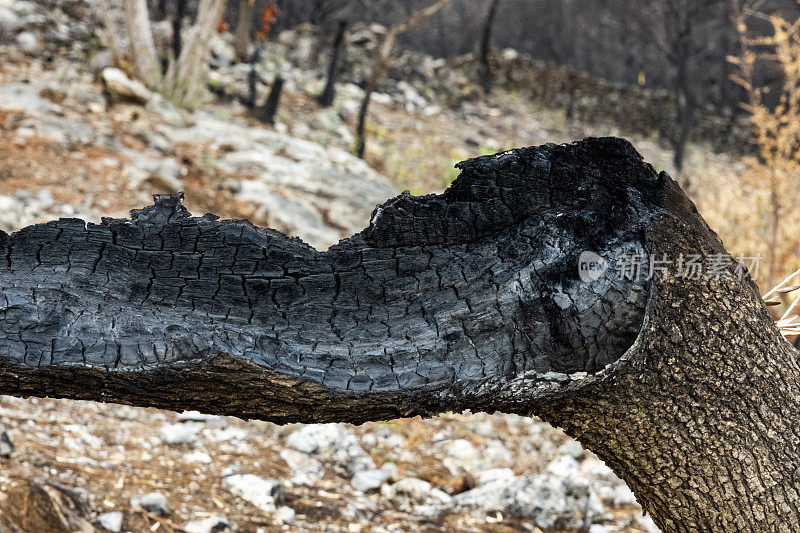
[380,64]
[485,73]
[328,94]
[684,31]
[466,300]
[266,113]
[177,27]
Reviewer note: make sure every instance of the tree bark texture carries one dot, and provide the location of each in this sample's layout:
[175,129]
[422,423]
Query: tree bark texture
[184,82]
[470,299]
[244,27]
[143,52]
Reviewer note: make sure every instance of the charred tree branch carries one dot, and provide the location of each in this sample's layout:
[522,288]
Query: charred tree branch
[470,299]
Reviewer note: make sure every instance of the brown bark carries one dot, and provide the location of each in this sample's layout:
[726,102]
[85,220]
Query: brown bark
[244,27]
[466,300]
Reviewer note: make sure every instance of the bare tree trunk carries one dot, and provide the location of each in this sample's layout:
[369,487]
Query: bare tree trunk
[185,79]
[572,84]
[253,78]
[471,299]
[379,66]
[143,51]
[244,27]
[266,113]
[485,70]
[328,94]
[681,137]
[177,28]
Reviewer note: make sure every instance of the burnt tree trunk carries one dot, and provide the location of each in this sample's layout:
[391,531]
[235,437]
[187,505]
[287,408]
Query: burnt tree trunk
[379,66]
[266,113]
[328,94]
[177,28]
[466,300]
[485,75]
[253,77]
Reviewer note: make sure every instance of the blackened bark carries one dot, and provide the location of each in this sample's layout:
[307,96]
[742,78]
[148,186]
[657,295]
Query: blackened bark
[177,28]
[327,95]
[253,78]
[468,299]
[266,113]
[361,122]
[485,69]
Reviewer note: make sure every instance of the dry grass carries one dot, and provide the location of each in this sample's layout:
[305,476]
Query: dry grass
[789,322]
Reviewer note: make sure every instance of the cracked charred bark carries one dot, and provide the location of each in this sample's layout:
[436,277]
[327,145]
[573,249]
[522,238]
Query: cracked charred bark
[466,300]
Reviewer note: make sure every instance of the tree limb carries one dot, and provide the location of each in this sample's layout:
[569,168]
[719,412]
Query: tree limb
[456,301]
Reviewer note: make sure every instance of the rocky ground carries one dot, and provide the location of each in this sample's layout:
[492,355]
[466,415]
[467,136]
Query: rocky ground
[78,139]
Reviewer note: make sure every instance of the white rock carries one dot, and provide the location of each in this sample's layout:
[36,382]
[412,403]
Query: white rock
[111,521]
[412,491]
[195,416]
[550,501]
[43,118]
[622,495]
[197,457]
[494,474]
[9,21]
[332,442]
[164,173]
[647,524]
[261,493]
[296,186]
[306,470]
[460,449]
[124,88]
[572,448]
[594,468]
[496,454]
[285,514]
[155,502]
[27,41]
[178,433]
[564,466]
[392,471]
[367,480]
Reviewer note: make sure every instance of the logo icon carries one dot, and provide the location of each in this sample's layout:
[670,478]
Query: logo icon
[591,266]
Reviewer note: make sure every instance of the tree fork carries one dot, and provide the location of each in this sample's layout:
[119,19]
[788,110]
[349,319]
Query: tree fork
[470,299]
